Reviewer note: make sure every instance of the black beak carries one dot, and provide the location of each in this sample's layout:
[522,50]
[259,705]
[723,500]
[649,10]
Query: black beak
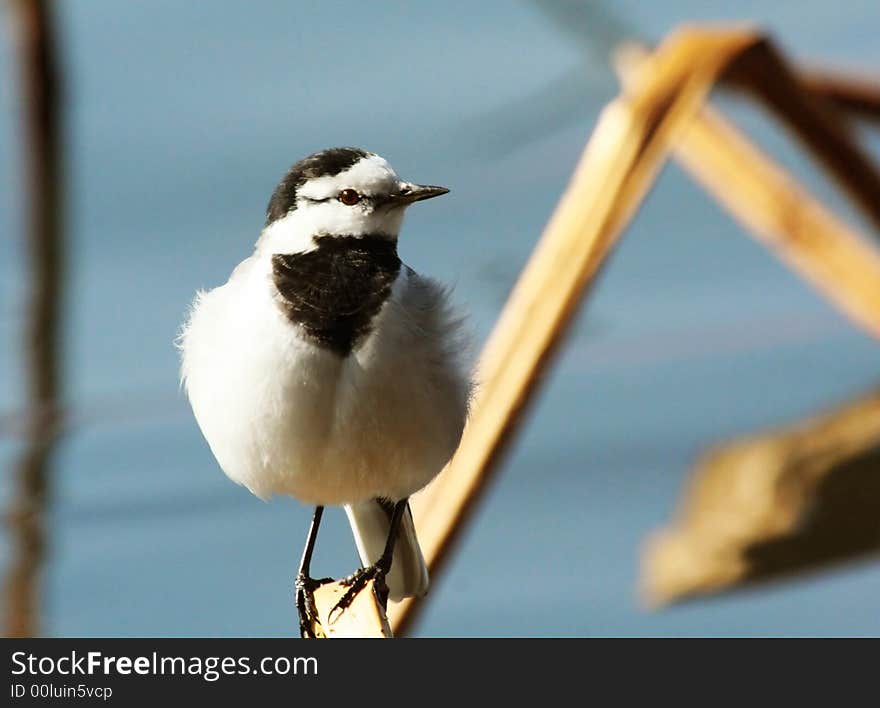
[418,192]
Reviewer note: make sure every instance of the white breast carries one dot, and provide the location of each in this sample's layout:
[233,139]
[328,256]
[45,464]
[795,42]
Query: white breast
[284,416]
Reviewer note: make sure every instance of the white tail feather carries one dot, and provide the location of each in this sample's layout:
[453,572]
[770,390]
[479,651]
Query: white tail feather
[370,524]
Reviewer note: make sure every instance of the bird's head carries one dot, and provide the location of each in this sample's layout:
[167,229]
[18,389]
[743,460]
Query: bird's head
[338,192]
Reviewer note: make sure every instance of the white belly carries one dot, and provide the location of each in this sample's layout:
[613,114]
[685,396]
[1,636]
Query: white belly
[283,416]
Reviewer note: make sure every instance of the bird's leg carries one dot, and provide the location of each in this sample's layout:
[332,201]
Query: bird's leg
[358,580]
[306,585]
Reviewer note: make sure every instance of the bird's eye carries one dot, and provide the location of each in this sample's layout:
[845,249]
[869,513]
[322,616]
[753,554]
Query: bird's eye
[349,197]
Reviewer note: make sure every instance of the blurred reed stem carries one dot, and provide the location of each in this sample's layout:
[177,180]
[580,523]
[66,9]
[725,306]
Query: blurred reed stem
[41,129]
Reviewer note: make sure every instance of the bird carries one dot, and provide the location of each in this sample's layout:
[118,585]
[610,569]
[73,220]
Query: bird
[328,370]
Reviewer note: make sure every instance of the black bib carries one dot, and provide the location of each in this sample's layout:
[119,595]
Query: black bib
[335,291]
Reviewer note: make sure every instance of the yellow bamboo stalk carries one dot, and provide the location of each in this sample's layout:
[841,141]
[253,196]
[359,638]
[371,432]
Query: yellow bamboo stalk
[628,146]
[765,75]
[783,216]
[618,167]
[770,505]
[775,208]
[363,618]
[854,94]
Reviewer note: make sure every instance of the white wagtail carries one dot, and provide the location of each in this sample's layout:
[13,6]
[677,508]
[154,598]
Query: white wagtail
[328,370]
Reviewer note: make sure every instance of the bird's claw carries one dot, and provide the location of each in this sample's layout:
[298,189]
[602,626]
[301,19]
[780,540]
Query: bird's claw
[305,603]
[356,582]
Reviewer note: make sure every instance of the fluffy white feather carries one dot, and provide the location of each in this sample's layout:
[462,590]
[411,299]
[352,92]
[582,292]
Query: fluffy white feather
[283,415]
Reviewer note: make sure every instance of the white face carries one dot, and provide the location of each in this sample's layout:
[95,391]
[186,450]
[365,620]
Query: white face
[321,208]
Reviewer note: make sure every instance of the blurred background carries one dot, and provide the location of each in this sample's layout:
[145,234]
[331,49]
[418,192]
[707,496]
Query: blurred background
[179,120]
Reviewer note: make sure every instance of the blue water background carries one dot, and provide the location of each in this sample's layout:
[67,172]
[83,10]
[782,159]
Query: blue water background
[181,118]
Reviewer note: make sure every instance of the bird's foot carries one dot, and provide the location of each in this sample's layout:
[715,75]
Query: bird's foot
[356,582]
[305,603]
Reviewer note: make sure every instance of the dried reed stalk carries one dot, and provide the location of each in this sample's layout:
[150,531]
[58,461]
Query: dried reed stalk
[617,169]
[42,338]
[660,109]
[772,505]
[364,618]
